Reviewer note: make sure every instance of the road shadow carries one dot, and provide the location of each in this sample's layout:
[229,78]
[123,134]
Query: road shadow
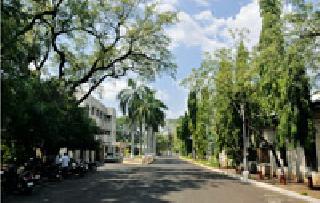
[135,184]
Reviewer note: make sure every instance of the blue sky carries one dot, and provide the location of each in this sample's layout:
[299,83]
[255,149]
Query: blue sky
[203,26]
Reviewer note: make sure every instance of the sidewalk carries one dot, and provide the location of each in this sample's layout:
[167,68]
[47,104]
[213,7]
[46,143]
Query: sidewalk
[135,161]
[297,190]
[139,160]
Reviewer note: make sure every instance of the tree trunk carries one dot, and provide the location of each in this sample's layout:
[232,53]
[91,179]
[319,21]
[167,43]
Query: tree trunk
[154,143]
[142,136]
[149,141]
[140,139]
[132,141]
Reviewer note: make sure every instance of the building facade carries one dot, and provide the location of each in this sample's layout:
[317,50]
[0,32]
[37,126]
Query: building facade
[105,118]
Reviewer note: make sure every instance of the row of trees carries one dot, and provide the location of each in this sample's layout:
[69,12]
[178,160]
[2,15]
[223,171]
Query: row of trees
[144,111]
[39,114]
[270,84]
[52,49]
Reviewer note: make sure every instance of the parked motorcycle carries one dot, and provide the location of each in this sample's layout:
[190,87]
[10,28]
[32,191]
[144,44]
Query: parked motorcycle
[92,166]
[35,166]
[78,168]
[18,180]
[25,182]
[52,172]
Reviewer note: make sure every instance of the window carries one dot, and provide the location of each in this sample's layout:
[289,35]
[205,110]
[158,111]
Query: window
[92,110]
[107,132]
[109,118]
[101,114]
[97,112]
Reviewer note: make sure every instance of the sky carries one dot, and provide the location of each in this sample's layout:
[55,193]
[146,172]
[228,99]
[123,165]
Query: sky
[203,27]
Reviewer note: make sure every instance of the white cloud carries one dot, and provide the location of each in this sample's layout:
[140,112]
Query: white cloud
[167,5]
[201,2]
[174,114]
[111,88]
[162,95]
[108,90]
[190,33]
[204,15]
[248,18]
[210,32]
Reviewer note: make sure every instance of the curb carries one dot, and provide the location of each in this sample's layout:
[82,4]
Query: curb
[259,184]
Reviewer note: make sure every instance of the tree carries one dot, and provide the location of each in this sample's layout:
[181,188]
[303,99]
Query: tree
[270,57]
[200,135]
[129,100]
[227,122]
[40,114]
[283,66]
[143,108]
[163,142]
[192,109]
[83,41]
[184,135]
[223,83]
[122,129]
[50,48]
[154,116]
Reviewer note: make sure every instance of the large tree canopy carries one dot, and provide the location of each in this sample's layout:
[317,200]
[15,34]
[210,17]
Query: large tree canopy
[82,40]
[49,49]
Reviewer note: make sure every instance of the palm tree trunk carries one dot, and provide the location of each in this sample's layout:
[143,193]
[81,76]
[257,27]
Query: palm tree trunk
[140,139]
[149,139]
[154,143]
[132,141]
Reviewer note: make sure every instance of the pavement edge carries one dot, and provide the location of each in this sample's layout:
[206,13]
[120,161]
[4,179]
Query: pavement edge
[258,184]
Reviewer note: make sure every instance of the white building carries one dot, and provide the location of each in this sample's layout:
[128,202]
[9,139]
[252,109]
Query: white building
[105,118]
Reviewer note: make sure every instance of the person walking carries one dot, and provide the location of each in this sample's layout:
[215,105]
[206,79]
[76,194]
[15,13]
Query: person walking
[65,163]
[57,161]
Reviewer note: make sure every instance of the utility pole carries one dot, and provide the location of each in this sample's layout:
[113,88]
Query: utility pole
[245,166]
[244,138]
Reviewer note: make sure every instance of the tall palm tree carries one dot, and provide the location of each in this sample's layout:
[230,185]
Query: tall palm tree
[142,107]
[154,116]
[130,99]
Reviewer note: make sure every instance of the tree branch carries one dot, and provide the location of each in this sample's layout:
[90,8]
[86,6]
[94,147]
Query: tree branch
[39,16]
[45,58]
[92,88]
[59,52]
[111,64]
[145,56]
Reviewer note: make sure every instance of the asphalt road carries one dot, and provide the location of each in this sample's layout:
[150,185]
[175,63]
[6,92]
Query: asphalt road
[166,180]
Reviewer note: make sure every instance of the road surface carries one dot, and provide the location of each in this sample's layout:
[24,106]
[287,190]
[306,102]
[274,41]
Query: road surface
[166,180]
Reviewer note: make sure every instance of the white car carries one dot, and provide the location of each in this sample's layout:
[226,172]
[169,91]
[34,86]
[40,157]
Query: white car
[113,157]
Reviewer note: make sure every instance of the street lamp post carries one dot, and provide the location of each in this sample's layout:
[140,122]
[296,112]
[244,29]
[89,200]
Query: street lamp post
[244,138]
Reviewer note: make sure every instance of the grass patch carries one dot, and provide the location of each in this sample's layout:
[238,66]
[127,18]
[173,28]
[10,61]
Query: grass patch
[211,163]
[304,193]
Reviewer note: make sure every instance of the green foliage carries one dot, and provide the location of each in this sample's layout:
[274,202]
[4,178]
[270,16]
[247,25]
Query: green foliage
[192,108]
[226,100]
[122,129]
[143,109]
[200,134]
[82,41]
[39,113]
[272,84]
[50,48]
[270,57]
[163,142]
[184,134]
